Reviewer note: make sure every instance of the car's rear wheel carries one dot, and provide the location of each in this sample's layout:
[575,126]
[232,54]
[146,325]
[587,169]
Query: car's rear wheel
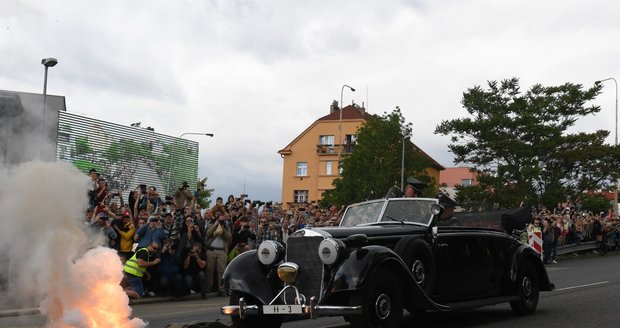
[418,257]
[528,290]
[381,301]
[259,320]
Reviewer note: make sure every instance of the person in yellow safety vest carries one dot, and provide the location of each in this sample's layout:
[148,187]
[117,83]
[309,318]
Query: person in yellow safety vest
[136,266]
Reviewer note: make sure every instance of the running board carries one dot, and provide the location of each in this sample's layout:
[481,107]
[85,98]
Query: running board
[482,302]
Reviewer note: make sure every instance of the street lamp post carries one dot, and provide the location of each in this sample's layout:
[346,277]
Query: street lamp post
[615,142]
[402,166]
[47,62]
[340,121]
[181,136]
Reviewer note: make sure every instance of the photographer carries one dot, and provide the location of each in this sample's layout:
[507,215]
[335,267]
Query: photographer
[170,275]
[170,228]
[194,264]
[183,196]
[100,224]
[190,234]
[242,232]
[93,187]
[155,202]
[266,230]
[217,240]
[219,206]
[125,229]
[140,199]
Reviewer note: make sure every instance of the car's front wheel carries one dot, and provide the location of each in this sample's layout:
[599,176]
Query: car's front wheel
[418,257]
[381,301]
[260,320]
[528,290]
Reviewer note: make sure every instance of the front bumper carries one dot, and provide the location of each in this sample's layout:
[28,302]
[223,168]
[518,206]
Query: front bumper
[313,310]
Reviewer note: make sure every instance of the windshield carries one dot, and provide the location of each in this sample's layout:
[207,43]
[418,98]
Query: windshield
[362,213]
[411,210]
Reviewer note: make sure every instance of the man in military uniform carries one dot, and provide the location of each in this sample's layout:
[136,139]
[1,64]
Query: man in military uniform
[447,217]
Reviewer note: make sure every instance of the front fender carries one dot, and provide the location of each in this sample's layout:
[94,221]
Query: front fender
[527,253]
[245,274]
[358,268]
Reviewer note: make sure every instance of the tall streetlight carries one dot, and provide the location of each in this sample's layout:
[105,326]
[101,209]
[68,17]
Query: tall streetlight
[340,121]
[181,136]
[616,141]
[47,62]
[402,165]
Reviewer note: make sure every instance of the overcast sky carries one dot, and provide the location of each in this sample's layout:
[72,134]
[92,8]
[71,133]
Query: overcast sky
[257,73]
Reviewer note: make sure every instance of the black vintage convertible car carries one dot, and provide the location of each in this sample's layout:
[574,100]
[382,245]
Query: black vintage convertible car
[387,255]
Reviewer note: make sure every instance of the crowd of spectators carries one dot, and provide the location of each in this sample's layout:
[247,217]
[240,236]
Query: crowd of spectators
[568,223]
[193,245]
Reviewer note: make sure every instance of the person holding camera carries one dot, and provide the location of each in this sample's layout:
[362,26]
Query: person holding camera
[194,264]
[219,206]
[170,228]
[190,233]
[170,274]
[242,233]
[125,229]
[266,230]
[183,196]
[92,188]
[218,238]
[101,225]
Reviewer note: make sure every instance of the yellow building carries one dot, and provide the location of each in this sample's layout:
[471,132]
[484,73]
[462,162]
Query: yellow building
[311,159]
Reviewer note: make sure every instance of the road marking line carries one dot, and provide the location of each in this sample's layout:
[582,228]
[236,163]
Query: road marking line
[581,286]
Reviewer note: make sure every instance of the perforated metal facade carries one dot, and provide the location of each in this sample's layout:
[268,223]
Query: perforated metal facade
[127,156]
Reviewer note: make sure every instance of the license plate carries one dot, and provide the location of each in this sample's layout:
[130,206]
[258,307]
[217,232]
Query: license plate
[281,309]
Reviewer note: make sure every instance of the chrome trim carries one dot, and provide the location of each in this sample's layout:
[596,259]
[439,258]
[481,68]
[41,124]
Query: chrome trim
[313,310]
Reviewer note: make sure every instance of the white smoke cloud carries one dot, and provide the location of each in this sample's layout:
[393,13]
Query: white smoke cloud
[43,250]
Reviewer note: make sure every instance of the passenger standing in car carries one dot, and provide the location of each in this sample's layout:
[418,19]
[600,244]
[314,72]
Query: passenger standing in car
[414,188]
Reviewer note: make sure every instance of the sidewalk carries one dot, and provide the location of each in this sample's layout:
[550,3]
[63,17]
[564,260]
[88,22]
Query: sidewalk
[145,300]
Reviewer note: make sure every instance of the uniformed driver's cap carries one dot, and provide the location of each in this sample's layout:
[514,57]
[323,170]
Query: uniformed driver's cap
[416,184]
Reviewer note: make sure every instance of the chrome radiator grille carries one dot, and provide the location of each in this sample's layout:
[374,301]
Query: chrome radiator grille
[304,252]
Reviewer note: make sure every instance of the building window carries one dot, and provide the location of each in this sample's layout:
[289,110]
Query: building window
[326,140]
[326,144]
[328,168]
[300,196]
[302,169]
[349,142]
[466,182]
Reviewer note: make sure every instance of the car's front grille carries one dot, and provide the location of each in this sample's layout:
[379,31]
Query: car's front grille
[304,252]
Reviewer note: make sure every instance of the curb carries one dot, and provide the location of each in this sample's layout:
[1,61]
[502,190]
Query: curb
[18,312]
[144,300]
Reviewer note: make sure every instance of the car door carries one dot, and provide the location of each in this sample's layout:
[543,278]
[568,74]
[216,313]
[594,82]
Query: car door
[465,269]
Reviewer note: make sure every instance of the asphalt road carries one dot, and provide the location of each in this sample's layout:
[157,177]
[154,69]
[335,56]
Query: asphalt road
[586,295]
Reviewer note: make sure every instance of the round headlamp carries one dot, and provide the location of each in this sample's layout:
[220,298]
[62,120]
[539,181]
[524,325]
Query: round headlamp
[436,209]
[330,250]
[270,252]
[288,272]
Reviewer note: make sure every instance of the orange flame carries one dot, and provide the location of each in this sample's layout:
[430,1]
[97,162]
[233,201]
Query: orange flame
[91,295]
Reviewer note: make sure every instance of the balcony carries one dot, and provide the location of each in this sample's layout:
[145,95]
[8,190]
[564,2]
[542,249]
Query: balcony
[333,149]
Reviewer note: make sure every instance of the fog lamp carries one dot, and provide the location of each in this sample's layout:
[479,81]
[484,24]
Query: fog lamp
[288,272]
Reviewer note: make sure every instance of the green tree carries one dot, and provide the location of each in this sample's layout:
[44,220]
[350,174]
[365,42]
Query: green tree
[374,165]
[522,146]
[203,194]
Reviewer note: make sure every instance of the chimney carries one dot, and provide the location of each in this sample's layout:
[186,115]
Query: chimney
[362,109]
[333,107]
